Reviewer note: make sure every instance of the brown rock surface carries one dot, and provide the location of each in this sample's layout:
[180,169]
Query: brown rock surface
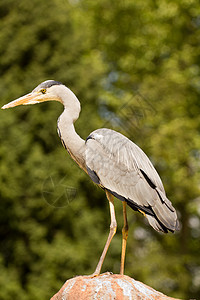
[107,287]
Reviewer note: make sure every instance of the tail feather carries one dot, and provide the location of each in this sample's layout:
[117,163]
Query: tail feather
[162,216]
[156,224]
[165,212]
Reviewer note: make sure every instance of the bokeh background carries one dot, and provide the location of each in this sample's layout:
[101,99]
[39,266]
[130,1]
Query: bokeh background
[135,67]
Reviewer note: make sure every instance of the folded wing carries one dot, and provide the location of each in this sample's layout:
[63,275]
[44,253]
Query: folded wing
[120,166]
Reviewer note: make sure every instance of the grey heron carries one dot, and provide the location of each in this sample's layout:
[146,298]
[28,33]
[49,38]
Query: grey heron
[113,162]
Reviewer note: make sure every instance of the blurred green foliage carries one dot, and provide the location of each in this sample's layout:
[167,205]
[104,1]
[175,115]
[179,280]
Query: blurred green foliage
[135,66]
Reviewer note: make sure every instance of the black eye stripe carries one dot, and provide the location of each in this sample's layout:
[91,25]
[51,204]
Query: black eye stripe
[46,84]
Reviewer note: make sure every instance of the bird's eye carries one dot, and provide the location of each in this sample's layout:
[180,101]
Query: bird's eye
[43,91]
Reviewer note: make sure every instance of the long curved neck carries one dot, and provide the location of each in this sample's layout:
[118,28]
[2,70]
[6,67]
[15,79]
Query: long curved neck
[74,144]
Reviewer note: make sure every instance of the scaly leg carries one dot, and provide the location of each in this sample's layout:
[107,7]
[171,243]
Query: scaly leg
[124,238]
[113,228]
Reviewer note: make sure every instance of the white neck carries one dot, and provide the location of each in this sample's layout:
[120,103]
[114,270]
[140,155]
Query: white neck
[74,144]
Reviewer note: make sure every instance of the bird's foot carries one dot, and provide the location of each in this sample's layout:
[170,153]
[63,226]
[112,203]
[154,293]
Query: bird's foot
[96,274]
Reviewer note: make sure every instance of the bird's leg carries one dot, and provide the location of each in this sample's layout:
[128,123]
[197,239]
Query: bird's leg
[124,238]
[113,228]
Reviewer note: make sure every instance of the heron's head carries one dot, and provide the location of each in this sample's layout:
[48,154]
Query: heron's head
[49,90]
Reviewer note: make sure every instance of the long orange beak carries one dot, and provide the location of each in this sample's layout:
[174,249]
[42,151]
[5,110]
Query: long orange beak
[31,98]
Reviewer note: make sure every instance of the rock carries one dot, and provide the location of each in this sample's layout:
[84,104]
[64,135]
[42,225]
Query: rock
[107,287]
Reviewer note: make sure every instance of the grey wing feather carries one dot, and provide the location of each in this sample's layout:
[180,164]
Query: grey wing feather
[123,168]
